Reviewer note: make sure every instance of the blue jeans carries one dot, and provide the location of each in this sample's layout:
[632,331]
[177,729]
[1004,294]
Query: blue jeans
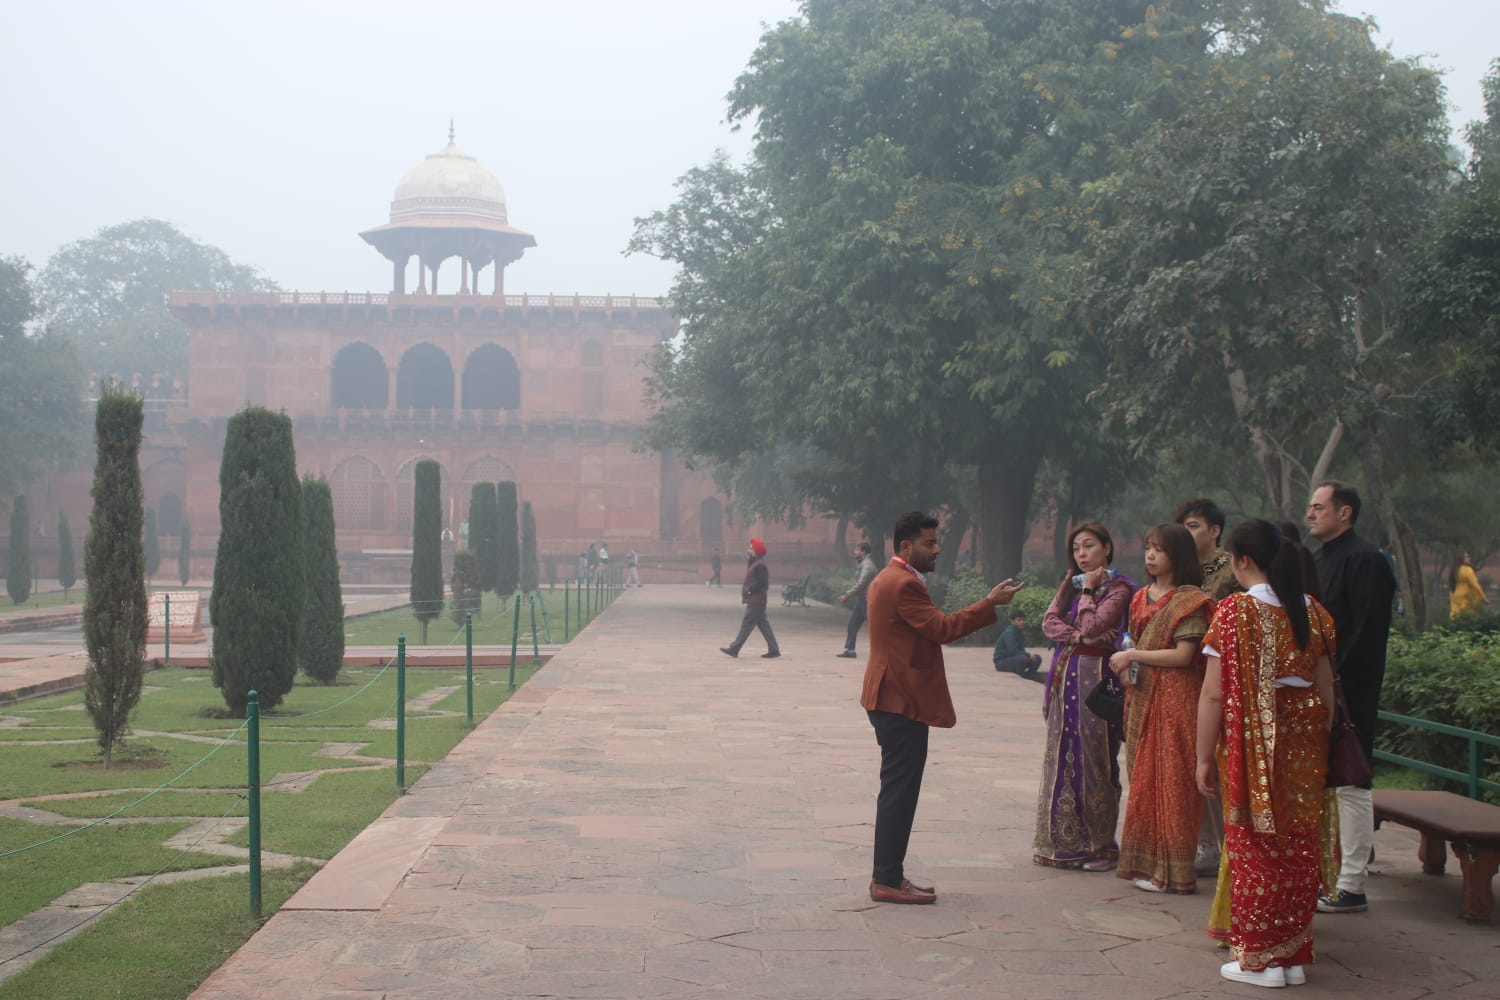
[857,608]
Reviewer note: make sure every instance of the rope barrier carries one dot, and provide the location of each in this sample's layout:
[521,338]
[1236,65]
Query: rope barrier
[271,720]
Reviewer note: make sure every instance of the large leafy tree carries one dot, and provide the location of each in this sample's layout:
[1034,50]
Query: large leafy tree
[114,566]
[259,571]
[1250,248]
[320,651]
[42,422]
[110,291]
[426,544]
[885,282]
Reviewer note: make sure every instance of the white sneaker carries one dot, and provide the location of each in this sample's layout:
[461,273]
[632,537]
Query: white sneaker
[1274,977]
[1295,975]
[1146,885]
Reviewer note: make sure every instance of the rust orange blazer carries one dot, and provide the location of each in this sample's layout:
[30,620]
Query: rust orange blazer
[905,673]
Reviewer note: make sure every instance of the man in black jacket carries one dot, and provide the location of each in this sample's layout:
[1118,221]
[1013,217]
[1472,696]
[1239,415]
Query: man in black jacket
[753,593]
[1357,587]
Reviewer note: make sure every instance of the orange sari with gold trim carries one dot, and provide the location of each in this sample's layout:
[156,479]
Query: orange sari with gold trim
[1273,757]
[1160,838]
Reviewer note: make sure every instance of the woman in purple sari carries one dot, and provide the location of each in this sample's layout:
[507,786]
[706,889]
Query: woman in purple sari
[1079,802]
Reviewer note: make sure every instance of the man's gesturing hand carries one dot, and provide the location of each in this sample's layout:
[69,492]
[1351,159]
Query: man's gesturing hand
[1004,591]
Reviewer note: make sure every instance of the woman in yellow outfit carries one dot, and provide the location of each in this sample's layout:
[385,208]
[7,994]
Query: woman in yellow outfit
[1466,593]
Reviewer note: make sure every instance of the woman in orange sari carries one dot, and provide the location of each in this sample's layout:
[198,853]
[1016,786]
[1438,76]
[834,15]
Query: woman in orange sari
[1269,692]
[1163,676]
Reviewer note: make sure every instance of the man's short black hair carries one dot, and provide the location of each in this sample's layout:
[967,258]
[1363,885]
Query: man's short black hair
[863,548]
[1021,615]
[1204,508]
[910,525]
[1344,495]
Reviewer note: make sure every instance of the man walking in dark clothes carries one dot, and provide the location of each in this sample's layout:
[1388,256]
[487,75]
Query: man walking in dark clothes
[753,593]
[854,597]
[1357,589]
[906,690]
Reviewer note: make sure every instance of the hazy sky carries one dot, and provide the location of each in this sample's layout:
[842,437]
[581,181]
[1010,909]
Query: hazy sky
[277,131]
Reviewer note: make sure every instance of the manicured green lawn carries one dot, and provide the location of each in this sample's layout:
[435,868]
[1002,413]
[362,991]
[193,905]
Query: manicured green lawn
[49,599]
[164,941]
[493,626]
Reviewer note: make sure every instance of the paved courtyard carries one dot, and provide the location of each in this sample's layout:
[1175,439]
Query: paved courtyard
[648,818]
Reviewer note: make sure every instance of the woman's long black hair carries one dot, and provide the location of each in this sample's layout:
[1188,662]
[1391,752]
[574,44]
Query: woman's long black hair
[1280,558]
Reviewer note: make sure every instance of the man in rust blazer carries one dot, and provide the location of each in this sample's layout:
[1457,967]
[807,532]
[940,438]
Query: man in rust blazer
[906,690]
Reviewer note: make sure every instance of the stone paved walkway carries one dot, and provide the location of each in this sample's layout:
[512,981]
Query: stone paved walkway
[647,818]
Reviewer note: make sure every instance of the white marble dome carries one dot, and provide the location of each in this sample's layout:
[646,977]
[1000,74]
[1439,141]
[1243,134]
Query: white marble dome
[449,182]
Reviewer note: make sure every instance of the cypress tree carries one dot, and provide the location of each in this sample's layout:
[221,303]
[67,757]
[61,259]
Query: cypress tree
[484,533]
[153,545]
[426,544]
[114,571]
[531,570]
[18,556]
[508,544]
[464,585]
[185,553]
[67,566]
[321,649]
[256,605]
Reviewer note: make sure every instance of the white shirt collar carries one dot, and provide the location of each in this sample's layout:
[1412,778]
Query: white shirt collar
[1263,593]
[918,573]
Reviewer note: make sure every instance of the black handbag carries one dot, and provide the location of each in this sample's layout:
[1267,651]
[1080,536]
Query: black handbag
[1107,700]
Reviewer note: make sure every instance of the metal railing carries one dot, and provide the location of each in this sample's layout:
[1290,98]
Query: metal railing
[1474,780]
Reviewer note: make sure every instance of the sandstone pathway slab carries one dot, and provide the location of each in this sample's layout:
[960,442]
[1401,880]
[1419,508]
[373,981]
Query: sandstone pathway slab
[650,818]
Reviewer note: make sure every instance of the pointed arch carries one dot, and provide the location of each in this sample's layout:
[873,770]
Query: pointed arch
[358,489]
[492,380]
[424,379]
[359,379]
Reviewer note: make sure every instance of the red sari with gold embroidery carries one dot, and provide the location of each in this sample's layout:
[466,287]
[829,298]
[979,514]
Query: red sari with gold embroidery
[1160,839]
[1273,758]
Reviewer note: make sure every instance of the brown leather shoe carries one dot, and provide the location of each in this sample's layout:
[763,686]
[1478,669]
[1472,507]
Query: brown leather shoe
[927,889]
[882,893]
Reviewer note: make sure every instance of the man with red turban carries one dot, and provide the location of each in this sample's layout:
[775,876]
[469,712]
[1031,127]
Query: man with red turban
[753,593]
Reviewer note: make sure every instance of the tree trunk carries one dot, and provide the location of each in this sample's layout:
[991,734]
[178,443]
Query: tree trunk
[1006,483]
[953,540]
[841,540]
[1408,559]
[1266,455]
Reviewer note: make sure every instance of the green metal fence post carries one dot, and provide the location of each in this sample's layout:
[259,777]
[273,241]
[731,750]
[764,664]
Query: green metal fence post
[401,713]
[252,794]
[469,665]
[546,623]
[536,649]
[515,636]
[166,656]
[567,611]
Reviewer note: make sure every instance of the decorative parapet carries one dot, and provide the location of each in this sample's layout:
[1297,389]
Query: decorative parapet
[489,309]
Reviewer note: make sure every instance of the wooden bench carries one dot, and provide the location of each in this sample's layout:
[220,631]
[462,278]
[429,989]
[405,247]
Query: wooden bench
[1471,826]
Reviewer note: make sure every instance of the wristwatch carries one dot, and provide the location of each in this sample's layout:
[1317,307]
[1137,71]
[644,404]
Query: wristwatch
[1089,591]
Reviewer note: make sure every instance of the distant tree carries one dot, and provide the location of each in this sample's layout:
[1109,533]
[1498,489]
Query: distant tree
[153,545]
[185,553]
[114,569]
[530,568]
[259,573]
[465,585]
[321,649]
[18,558]
[426,544]
[41,382]
[67,569]
[110,291]
[508,573]
[484,533]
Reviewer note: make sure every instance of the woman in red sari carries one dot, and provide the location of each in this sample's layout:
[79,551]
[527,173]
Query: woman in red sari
[1168,619]
[1269,692]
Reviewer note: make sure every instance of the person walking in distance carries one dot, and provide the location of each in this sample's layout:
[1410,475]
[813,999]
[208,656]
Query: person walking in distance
[854,597]
[715,564]
[1358,587]
[905,690]
[753,593]
[633,567]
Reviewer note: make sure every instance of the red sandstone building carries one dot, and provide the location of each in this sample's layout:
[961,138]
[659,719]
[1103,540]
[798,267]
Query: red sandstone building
[544,390]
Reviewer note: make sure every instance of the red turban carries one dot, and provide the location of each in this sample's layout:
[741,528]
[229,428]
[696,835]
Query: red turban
[758,547]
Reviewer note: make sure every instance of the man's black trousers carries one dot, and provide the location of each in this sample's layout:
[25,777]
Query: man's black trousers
[903,758]
[857,610]
[755,618]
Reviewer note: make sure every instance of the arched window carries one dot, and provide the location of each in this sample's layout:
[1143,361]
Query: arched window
[360,379]
[488,470]
[425,379]
[406,486]
[711,522]
[491,380]
[358,495]
[169,515]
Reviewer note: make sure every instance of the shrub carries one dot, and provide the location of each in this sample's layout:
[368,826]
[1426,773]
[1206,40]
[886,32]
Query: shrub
[829,585]
[18,556]
[321,649]
[427,544]
[465,585]
[1447,676]
[508,539]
